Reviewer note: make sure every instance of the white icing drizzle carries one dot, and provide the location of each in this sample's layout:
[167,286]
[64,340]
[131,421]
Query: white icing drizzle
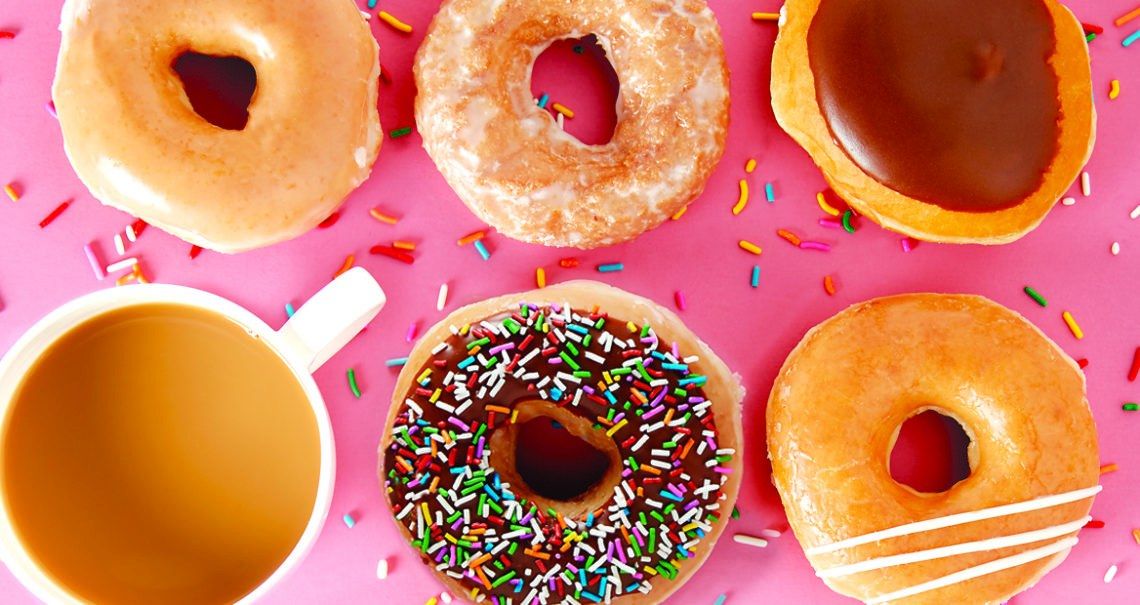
[977,571]
[958,519]
[954,550]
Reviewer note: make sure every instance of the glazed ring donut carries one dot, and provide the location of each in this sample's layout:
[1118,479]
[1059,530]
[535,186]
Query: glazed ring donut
[511,164]
[136,142]
[834,415]
[615,371]
[991,109]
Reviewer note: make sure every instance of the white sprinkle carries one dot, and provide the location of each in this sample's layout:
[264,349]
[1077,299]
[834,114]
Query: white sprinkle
[1110,574]
[382,569]
[1086,185]
[445,597]
[1114,248]
[561,119]
[126,263]
[750,540]
[1135,214]
[441,300]
[119,247]
[131,235]
[1069,201]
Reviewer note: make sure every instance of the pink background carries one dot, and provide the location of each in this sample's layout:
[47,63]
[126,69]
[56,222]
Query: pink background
[1067,259]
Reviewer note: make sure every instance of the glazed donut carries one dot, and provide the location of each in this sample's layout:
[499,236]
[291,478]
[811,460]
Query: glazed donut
[517,170]
[613,370]
[990,115]
[834,415]
[137,144]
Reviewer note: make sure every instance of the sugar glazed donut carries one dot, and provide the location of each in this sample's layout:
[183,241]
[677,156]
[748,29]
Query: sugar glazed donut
[945,120]
[834,415]
[593,364]
[135,141]
[517,170]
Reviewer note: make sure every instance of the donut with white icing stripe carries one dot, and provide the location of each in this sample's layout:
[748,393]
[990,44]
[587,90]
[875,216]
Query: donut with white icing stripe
[591,363]
[508,160]
[835,413]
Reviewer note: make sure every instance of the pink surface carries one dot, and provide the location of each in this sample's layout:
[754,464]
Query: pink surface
[1067,259]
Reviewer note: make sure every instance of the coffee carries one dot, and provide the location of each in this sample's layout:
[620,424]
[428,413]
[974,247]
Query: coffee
[160,453]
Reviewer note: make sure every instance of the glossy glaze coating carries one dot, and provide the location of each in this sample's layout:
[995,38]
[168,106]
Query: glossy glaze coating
[843,393]
[136,142]
[507,159]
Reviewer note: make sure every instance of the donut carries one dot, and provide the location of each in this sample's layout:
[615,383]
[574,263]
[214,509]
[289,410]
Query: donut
[511,164]
[943,120]
[834,415]
[479,410]
[136,142]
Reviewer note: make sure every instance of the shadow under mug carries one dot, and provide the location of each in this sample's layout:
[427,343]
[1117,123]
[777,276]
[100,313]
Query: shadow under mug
[320,328]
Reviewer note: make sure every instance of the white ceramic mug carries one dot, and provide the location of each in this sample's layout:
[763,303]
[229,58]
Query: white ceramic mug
[319,329]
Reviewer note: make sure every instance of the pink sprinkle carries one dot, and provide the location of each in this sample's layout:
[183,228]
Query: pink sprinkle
[50,107]
[93,260]
[822,247]
[679,298]
[830,223]
[908,244]
[412,330]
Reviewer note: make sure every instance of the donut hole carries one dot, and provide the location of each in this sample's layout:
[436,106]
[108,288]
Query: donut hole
[556,459]
[931,453]
[576,74]
[554,463]
[219,88]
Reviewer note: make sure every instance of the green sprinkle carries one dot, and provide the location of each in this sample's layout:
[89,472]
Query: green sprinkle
[1090,37]
[735,513]
[847,226]
[400,132]
[1130,407]
[1036,296]
[352,383]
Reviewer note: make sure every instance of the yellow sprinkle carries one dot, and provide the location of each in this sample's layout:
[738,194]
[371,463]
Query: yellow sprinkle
[750,165]
[677,215]
[10,189]
[404,245]
[138,275]
[348,261]
[1072,323]
[383,218]
[765,16]
[540,277]
[514,418]
[1136,535]
[1109,468]
[750,247]
[394,22]
[1113,89]
[564,110]
[432,601]
[616,427]
[742,201]
[823,205]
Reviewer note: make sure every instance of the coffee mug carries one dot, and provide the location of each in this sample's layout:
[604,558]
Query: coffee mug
[47,553]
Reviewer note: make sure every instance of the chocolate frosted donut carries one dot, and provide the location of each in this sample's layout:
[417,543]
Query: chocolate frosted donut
[572,444]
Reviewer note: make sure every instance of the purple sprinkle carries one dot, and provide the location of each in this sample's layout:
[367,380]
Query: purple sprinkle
[830,223]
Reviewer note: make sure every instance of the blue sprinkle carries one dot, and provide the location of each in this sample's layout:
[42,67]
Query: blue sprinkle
[543,100]
[466,362]
[756,276]
[349,521]
[557,425]
[610,267]
[371,3]
[555,394]
[482,249]
[289,310]
[720,600]
[396,362]
[1134,36]
[769,192]
[670,495]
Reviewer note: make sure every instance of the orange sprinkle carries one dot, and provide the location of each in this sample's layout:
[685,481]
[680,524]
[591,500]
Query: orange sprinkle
[539,554]
[13,194]
[564,110]
[750,165]
[1136,535]
[568,263]
[1109,468]
[1126,17]
[138,274]
[788,235]
[829,285]
[348,262]
[765,16]
[474,236]
[677,215]
[481,559]
[498,408]
[540,277]
[383,218]
[404,245]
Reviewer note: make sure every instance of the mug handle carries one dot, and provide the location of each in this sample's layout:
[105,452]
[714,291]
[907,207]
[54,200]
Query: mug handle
[332,317]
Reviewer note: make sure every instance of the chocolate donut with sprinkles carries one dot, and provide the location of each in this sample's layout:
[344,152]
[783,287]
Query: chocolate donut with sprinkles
[573,444]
